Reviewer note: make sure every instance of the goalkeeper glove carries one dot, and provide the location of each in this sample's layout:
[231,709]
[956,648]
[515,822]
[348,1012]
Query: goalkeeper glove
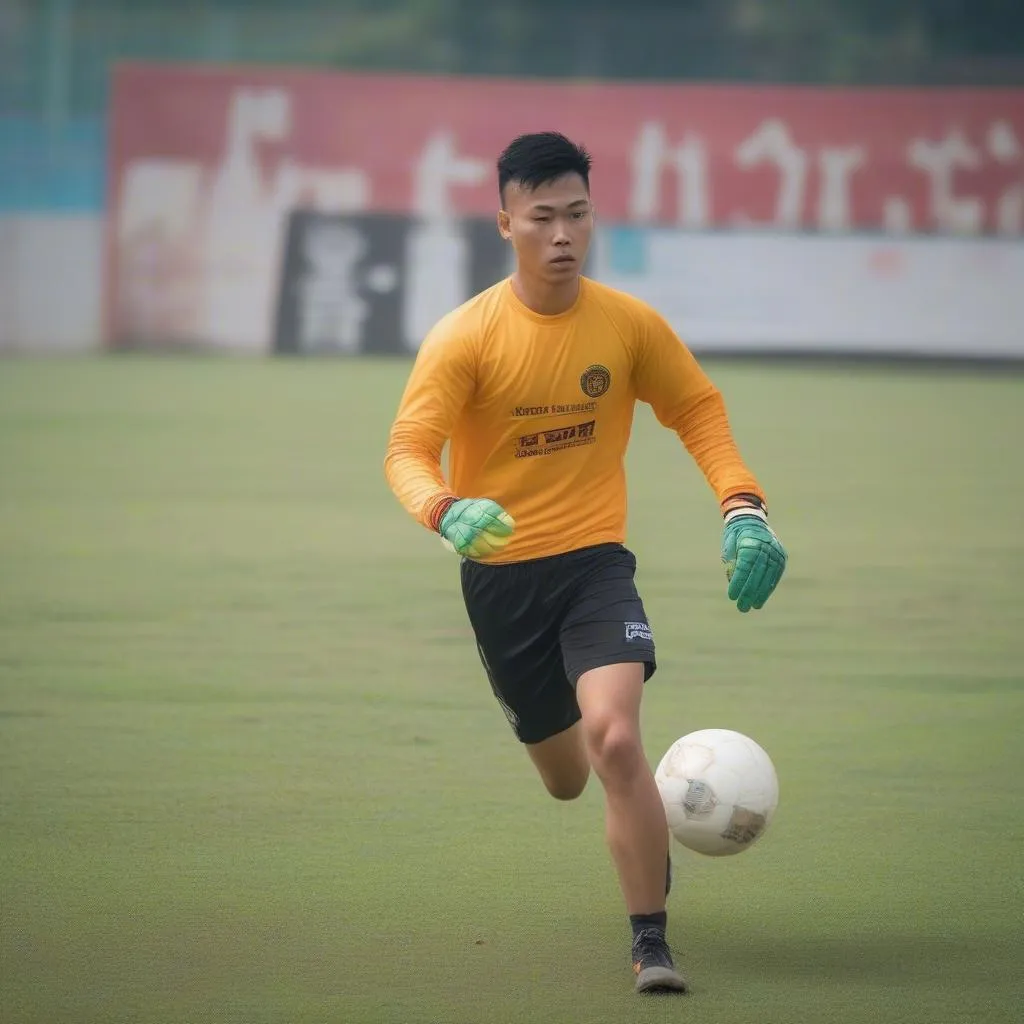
[753,556]
[475,527]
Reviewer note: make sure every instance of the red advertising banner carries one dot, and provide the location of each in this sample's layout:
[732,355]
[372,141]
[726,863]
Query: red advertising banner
[205,165]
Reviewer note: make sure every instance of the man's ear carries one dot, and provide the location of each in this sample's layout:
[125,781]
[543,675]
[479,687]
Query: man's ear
[504,226]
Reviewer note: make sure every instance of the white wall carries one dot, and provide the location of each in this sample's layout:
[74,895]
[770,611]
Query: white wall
[51,280]
[798,293]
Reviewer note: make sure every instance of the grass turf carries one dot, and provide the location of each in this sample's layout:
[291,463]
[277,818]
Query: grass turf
[251,771]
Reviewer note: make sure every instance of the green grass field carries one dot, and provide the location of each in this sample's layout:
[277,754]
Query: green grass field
[251,771]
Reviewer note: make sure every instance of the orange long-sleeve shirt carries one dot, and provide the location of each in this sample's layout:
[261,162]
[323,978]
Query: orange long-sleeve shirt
[538,411]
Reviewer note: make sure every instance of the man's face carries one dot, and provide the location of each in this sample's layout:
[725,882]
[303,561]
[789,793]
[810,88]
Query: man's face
[549,227]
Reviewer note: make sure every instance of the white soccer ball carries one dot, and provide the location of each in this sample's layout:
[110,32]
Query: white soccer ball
[719,789]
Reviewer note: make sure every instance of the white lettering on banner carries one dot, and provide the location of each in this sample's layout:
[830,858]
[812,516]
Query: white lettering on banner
[837,166]
[771,143]
[650,153]
[939,160]
[653,153]
[265,115]
[242,222]
[647,155]
[691,160]
[896,216]
[438,168]
[247,215]
[1003,145]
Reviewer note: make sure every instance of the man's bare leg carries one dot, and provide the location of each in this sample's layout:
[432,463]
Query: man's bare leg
[637,833]
[561,760]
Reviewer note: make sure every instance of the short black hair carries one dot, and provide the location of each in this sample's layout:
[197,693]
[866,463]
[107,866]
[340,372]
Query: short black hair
[540,158]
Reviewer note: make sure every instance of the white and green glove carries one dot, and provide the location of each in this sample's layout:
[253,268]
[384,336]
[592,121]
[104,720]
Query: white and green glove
[753,556]
[475,527]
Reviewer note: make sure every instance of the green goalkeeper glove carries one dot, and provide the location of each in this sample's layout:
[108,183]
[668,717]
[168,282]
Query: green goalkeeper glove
[753,556]
[475,527]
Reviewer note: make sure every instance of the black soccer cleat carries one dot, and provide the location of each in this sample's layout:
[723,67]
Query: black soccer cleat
[653,965]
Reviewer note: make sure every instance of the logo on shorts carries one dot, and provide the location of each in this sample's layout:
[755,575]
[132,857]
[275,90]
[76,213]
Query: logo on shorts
[595,380]
[638,631]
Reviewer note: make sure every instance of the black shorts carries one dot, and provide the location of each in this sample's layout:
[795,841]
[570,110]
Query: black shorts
[542,623]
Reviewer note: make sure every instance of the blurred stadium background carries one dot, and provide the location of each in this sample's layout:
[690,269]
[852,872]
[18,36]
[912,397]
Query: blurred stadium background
[876,205]
[250,770]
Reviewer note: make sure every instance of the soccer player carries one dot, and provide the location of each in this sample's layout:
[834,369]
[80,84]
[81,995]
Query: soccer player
[533,382]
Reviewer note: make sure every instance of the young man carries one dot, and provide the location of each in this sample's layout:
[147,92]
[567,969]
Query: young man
[534,383]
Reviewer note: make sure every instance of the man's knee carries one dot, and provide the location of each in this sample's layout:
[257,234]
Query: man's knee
[610,702]
[613,743]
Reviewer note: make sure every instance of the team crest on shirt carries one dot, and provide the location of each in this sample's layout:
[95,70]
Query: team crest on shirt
[595,380]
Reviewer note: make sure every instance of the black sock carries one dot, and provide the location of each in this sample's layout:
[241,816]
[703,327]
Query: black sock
[639,922]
